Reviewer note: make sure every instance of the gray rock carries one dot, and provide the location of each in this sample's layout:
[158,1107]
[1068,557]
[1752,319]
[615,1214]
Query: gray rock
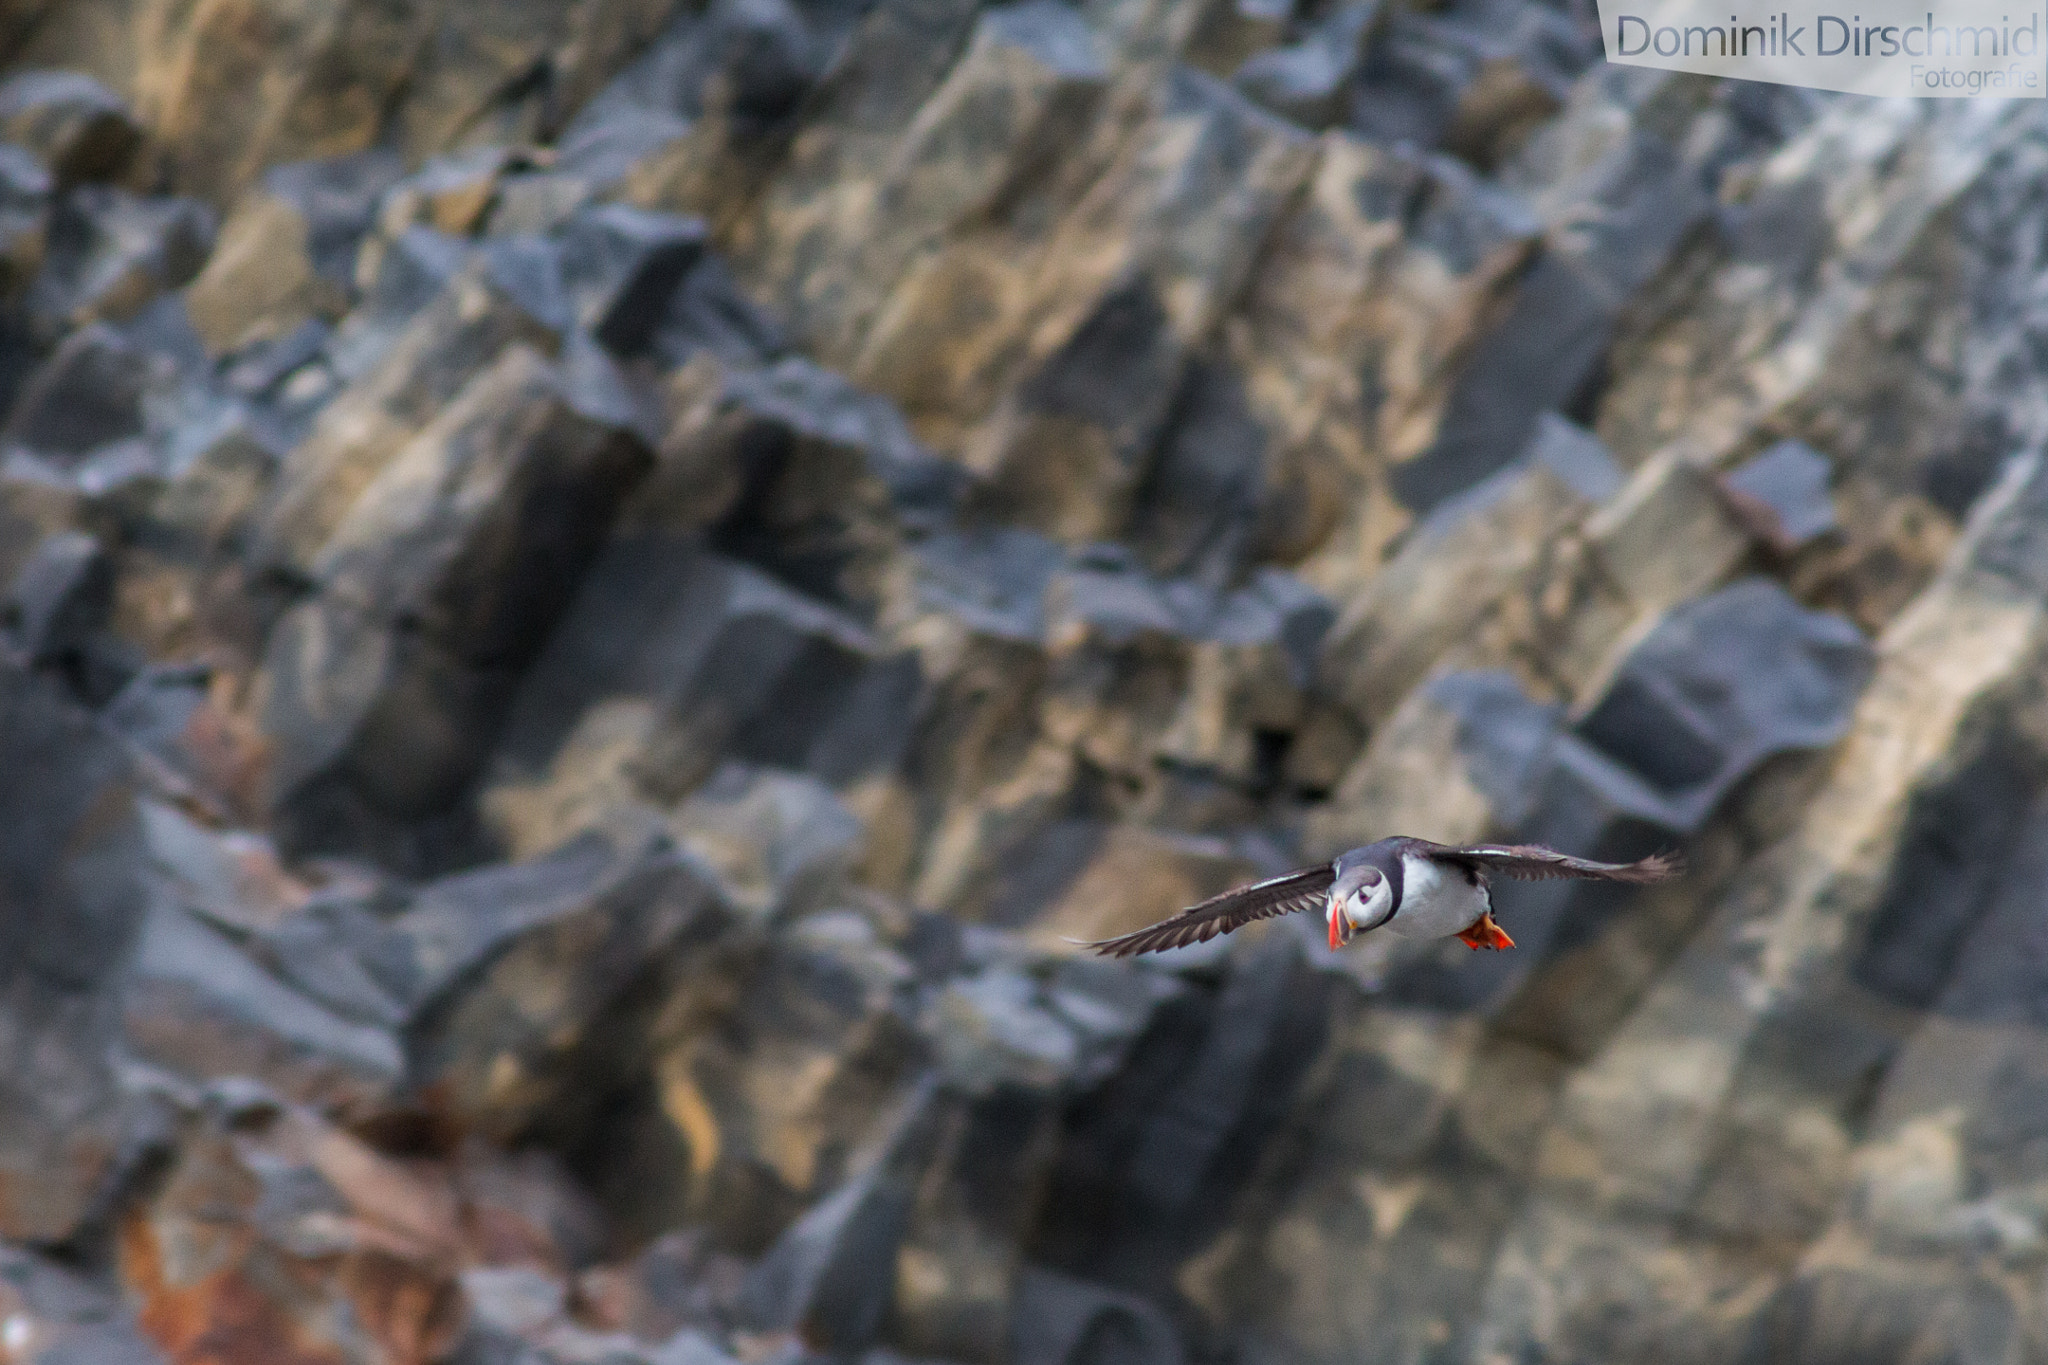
[597,153]
[622,265]
[596,385]
[484,1346]
[776,1064]
[977,1205]
[155,706]
[511,988]
[689,1347]
[1053,34]
[1971,1190]
[994,1029]
[709,312]
[1783,495]
[450,191]
[514,1300]
[1471,77]
[832,1275]
[459,923]
[1108,1008]
[110,252]
[408,274]
[1722,684]
[103,1343]
[25,189]
[69,1139]
[1306,80]
[230,878]
[437,601]
[60,598]
[1120,368]
[528,270]
[1064,1321]
[1105,590]
[991,579]
[1576,456]
[665,80]
[1536,359]
[260,367]
[1552,339]
[611,271]
[151,715]
[80,129]
[1070,442]
[71,856]
[1278,609]
[814,405]
[728,664]
[680,1288]
[71,871]
[1235,1081]
[780,842]
[1952,851]
[1884,1314]
[408,383]
[766,59]
[338,198]
[217,469]
[410,724]
[1503,735]
[62,1316]
[200,1006]
[536,203]
[1200,511]
[87,395]
[339,951]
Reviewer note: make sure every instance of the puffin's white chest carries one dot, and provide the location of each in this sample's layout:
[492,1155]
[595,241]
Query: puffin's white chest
[1436,901]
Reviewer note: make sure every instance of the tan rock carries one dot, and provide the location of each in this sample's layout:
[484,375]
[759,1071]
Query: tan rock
[1687,1105]
[1446,578]
[259,283]
[364,427]
[229,87]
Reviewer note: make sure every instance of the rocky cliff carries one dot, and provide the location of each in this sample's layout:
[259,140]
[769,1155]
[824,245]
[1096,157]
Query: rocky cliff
[592,592]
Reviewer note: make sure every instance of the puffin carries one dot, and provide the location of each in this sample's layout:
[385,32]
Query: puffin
[1410,887]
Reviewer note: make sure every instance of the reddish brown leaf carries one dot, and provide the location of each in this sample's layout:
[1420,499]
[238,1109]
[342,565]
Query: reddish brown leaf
[414,1312]
[220,1319]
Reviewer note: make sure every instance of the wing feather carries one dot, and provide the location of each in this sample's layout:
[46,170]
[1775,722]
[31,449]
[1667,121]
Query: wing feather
[1533,862]
[1299,890]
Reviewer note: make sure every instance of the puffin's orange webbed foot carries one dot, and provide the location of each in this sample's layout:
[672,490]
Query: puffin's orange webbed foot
[1484,933]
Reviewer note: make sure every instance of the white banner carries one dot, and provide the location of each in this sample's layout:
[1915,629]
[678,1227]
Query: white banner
[1876,47]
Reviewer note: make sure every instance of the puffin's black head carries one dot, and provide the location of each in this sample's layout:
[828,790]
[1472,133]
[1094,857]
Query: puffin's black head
[1365,893]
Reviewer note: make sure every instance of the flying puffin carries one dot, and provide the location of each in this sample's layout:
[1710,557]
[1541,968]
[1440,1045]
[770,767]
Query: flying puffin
[1410,887]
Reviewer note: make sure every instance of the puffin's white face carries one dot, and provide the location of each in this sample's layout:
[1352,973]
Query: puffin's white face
[1363,897]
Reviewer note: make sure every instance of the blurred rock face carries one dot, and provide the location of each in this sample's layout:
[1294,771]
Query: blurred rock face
[590,596]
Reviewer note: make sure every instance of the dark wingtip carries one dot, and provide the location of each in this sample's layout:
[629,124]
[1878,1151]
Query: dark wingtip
[1107,947]
[1153,939]
[1660,867]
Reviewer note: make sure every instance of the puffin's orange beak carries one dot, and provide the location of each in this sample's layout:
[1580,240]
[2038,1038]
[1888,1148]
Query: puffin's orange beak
[1340,928]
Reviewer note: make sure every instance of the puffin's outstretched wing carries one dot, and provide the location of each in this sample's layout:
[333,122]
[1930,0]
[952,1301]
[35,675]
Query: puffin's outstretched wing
[1302,890]
[1533,862]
